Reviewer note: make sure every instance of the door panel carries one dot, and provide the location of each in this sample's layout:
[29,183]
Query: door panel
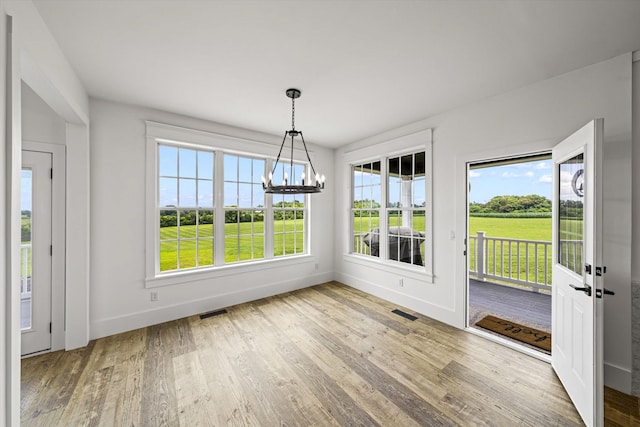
[577,236]
[35,280]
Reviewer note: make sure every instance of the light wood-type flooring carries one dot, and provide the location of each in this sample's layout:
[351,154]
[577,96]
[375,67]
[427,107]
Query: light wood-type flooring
[325,355]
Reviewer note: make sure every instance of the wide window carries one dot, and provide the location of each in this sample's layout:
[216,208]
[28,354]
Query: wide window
[185,207]
[207,209]
[391,205]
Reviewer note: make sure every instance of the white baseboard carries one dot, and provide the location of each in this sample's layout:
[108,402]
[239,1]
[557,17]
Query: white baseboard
[617,378]
[418,305]
[118,324]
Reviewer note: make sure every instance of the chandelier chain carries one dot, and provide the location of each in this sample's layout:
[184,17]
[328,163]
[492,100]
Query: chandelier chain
[293,113]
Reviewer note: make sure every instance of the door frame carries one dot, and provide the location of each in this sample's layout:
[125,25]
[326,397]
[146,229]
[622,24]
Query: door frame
[58,240]
[512,344]
[484,157]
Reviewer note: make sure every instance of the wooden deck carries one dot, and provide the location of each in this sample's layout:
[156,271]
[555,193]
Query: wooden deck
[325,355]
[517,305]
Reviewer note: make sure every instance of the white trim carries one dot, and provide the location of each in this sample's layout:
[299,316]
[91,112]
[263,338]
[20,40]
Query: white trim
[408,270]
[117,324]
[617,377]
[460,195]
[406,144]
[635,56]
[159,133]
[194,275]
[181,135]
[423,306]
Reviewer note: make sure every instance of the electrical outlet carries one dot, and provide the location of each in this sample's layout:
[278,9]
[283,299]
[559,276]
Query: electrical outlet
[401,282]
[154,295]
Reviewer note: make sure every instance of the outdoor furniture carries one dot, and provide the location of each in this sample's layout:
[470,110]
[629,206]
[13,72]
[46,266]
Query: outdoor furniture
[404,244]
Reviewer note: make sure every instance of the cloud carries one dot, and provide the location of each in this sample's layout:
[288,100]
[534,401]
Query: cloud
[547,179]
[542,165]
[474,174]
[509,175]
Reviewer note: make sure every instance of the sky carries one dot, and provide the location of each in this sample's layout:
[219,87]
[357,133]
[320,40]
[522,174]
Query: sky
[519,179]
[25,190]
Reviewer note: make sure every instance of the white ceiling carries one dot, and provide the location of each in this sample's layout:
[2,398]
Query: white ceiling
[363,66]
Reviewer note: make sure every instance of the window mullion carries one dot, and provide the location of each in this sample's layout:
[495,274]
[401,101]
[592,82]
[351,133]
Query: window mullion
[384,209]
[218,208]
[268,218]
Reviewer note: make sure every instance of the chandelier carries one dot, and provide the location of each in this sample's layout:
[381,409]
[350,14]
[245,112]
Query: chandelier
[313,184]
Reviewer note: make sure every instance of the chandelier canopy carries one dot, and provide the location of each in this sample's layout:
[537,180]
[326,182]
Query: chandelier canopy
[312,184]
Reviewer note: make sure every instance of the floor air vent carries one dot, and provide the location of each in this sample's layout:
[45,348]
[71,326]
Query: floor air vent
[213,313]
[403,314]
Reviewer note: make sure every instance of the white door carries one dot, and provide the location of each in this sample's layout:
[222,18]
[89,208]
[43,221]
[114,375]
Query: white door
[35,275]
[577,262]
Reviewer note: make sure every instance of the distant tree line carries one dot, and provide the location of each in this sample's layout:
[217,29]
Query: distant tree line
[532,205]
[282,210]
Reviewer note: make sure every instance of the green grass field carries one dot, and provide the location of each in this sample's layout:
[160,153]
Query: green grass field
[244,241]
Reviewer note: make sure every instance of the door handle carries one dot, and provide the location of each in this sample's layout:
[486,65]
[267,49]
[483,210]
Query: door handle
[604,291]
[586,289]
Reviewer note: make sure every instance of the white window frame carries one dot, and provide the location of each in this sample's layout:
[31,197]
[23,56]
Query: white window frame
[183,208]
[160,133]
[304,209]
[408,144]
[379,209]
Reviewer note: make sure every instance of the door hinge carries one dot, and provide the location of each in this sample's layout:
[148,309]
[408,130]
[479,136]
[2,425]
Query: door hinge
[50,327]
[51,173]
[50,250]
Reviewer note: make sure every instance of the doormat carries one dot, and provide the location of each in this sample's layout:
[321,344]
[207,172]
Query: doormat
[525,334]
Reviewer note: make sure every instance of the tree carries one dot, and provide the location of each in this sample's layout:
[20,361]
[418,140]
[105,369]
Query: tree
[513,204]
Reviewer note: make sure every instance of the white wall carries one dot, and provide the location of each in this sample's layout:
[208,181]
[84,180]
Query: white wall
[6,387]
[119,299]
[526,120]
[39,122]
[33,56]
[635,272]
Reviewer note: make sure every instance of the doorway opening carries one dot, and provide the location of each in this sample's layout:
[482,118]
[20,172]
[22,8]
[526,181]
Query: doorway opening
[509,243]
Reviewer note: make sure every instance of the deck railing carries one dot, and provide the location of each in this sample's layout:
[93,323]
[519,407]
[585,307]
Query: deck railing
[521,262]
[25,271]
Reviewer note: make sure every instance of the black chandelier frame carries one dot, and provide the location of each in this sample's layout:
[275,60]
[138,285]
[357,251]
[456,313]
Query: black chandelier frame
[287,188]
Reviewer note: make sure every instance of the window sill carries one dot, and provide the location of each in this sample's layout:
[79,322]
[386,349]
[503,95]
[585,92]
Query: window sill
[179,277]
[410,271]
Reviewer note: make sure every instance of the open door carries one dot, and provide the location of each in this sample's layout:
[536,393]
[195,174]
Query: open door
[35,252]
[577,309]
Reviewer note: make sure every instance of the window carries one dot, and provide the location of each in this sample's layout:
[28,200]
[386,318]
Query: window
[406,214]
[185,204]
[391,210]
[207,210]
[366,208]
[288,215]
[243,208]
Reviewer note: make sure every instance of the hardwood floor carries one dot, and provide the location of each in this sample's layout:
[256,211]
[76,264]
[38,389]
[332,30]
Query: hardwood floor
[326,355]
